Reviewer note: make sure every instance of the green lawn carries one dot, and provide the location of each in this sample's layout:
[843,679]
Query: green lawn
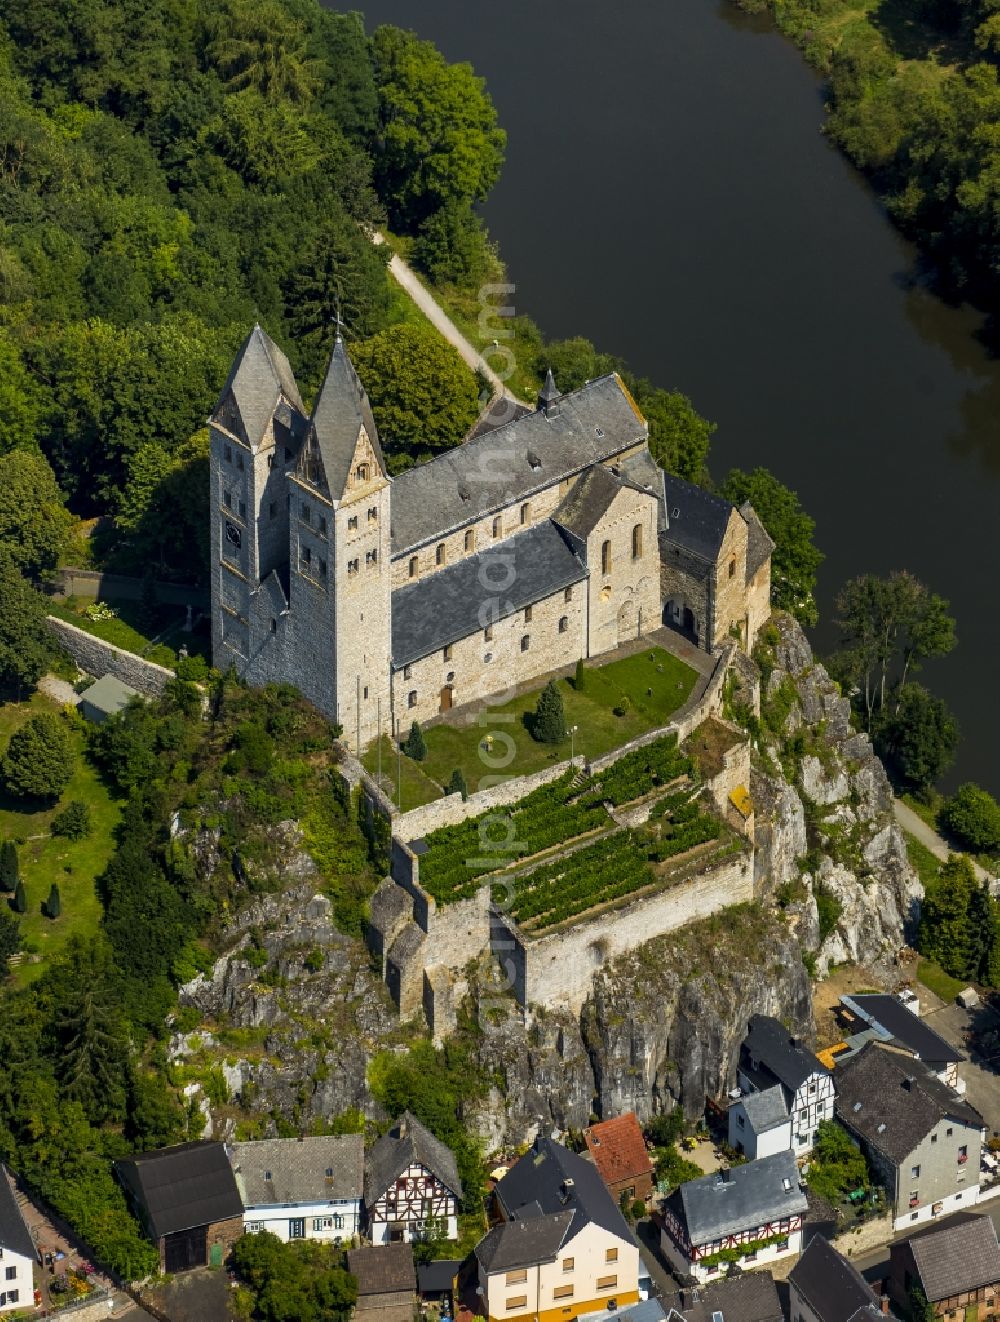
[925,864]
[654,682]
[940,983]
[130,631]
[73,866]
[410,787]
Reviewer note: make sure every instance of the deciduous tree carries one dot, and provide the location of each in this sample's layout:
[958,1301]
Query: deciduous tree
[25,643]
[34,523]
[40,759]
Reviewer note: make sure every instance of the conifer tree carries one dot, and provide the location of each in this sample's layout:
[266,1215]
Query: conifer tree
[457,784]
[580,678]
[20,898]
[549,725]
[415,746]
[53,905]
[10,869]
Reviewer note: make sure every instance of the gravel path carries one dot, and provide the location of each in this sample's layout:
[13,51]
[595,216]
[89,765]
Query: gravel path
[918,828]
[58,690]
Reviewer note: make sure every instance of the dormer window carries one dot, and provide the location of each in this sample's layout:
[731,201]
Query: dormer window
[362,472]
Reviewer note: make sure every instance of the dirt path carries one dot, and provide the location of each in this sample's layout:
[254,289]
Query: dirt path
[58,690]
[919,829]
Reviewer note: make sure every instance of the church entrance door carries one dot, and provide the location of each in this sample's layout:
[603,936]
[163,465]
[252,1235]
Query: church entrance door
[447,698]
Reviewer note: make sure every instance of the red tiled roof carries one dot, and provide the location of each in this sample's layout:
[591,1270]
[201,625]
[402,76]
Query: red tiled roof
[618,1148]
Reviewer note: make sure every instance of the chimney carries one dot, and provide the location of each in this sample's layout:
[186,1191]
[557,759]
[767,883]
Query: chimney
[884,1304]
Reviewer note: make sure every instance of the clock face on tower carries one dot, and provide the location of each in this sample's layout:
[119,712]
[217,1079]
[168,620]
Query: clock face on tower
[233,534]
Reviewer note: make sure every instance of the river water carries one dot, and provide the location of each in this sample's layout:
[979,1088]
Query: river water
[668,194]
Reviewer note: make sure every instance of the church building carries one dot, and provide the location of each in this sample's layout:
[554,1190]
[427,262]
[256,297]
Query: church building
[547,535]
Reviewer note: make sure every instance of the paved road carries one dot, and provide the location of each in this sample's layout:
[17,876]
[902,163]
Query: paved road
[918,828]
[874,1266]
[436,315]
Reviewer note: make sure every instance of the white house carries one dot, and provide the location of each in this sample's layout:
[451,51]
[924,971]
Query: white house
[301,1188]
[411,1185]
[749,1215]
[759,1123]
[770,1056]
[18,1254]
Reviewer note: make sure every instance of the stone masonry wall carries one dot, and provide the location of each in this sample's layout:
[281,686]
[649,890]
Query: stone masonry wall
[730,575]
[99,658]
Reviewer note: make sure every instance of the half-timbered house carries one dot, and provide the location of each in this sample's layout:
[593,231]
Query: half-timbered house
[411,1185]
[770,1056]
[758,1209]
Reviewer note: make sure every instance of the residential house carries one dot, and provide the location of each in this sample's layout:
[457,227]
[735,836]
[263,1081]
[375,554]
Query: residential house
[825,1287]
[896,1021]
[751,1214]
[301,1188]
[770,1056]
[411,1185]
[759,1123]
[619,1152]
[18,1254]
[923,1141]
[746,1297]
[956,1265]
[560,1248]
[387,1283]
[187,1200]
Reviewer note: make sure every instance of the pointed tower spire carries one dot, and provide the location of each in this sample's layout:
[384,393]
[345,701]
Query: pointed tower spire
[548,394]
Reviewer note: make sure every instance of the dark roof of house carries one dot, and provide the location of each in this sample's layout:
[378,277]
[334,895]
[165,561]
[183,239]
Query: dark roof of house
[259,377]
[408,1143]
[447,604]
[766,1109]
[340,411]
[496,468]
[438,1276]
[550,1179]
[14,1234]
[588,501]
[782,1055]
[696,519]
[759,542]
[749,1297]
[299,1170]
[618,1148]
[741,1198]
[501,410]
[962,1254]
[382,1268]
[181,1187]
[522,1242]
[904,1028]
[833,1288]
[894,1101]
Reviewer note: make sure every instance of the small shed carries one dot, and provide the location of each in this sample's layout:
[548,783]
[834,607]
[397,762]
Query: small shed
[387,1282]
[436,1280]
[106,697]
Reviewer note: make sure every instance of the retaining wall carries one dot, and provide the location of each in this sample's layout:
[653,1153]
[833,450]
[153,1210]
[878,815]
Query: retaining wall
[92,583]
[97,657]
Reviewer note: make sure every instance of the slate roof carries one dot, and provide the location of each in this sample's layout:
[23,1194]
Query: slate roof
[258,378]
[766,1109]
[492,470]
[782,1055]
[521,1243]
[536,1186]
[759,542]
[501,410]
[438,1276]
[696,519]
[743,1198]
[445,606]
[408,1143]
[109,695]
[294,1170]
[383,1269]
[748,1297]
[904,1028]
[832,1287]
[14,1234]
[191,1184]
[340,411]
[893,1101]
[962,1254]
[618,1148]
[588,501]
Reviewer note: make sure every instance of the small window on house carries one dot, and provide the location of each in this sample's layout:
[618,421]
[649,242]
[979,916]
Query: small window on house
[272,510]
[949,1131]
[267,1175]
[361,472]
[411,698]
[227,499]
[610,1255]
[525,642]
[414,566]
[366,693]
[439,554]
[371,557]
[352,523]
[607,1282]
[637,542]
[525,510]
[568,1264]
[732,568]
[450,677]
[447,652]
[527,614]
[373,514]
[407,672]
[470,540]
[562,1292]
[496,527]
[563,623]
[488,634]
[487,658]
[518,1301]
[568,595]
[229,454]
[322,525]
[933,1138]
[606,558]
[914,1172]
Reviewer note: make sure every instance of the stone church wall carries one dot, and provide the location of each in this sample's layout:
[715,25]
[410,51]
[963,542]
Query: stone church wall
[730,581]
[625,602]
[99,658]
[684,582]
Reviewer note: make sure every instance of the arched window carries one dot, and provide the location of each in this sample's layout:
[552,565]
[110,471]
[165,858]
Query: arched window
[606,558]
[488,634]
[563,623]
[496,526]
[414,566]
[527,614]
[732,567]
[525,642]
[568,594]
[637,542]
[439,554]
[362,472]
[524,513]
[470,540]
[411,698]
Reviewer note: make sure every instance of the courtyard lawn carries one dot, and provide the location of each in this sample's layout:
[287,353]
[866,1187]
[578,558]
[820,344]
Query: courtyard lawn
[130,630]
[403,781]
[72,865]
[650,686]
[940,983]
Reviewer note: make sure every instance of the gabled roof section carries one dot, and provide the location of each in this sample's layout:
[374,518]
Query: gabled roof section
[832,1287]
[748,1297]
[191,1184]
[618,1148]
[14,1234]
[550,1179]
[760,544]
[766,1110]
[526,1243]
[696,519]
[340,412]
[494,469]
[299,1170]
[963,1254]
[383,1269]
[589,500]
[408,1143]
[260,377]
[784,1058]
[901,1026]
[741,1198]
[894,1101]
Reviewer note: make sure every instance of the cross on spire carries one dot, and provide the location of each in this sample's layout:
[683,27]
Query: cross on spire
[338,320]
